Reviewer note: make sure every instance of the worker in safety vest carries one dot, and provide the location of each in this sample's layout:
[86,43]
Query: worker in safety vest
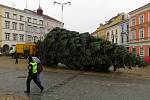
[32,75]
[39,66]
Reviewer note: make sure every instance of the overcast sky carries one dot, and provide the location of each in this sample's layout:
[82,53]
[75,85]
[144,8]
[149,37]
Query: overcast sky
[81,15]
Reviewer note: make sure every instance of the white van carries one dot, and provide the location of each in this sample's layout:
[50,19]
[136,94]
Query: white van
[12,50]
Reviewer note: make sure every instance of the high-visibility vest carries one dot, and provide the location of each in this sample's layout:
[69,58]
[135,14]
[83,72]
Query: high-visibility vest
[34,67]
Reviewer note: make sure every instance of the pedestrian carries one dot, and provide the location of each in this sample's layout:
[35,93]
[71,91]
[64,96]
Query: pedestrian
[32,75]
[39,65]
[16,57]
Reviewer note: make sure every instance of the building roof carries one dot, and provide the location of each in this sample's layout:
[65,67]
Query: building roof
[140,8]
[11,8]
[118,19]
[48,17]
[30,12]
[108,22]
[44,16]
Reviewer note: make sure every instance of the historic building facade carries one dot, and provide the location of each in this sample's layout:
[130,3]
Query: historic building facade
[124,31]
[23,26]
[101,31]
[50,23]
[115,30]
[139,38]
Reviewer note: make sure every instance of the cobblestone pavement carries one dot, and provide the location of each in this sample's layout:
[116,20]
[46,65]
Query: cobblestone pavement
[73,85]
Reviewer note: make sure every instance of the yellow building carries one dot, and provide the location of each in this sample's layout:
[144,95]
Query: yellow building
[115,30]
[101,31]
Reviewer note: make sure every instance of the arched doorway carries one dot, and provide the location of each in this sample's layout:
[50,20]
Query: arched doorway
[6,48]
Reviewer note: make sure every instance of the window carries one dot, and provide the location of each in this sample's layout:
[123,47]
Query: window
[14,16]
[149,52]
[134,50]
[21,18]
[141,19]
[149,16]
[141,51]
[35,29]
[127,37]
[41,22]
[41,30]
[112,36]
[14,25]
[29,38]
[116,31]
[7,14]
[47,24]
[116,40]
[141,33]
[29,19]
[7,36]
[21,26]
[21,36]
[28,28]
[116,35]
[15,37]
[148,32]
[127,28]
[35,21]
[107,35]
[7,24]
[35,38]
[122,17]
[133,34]
[31,29]
[133,22]
[122,28]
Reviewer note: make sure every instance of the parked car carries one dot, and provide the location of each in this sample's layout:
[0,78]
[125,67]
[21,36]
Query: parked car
[0,53]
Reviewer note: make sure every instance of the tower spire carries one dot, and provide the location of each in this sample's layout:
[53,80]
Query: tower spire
[13,4]
[26,4]
[39,2]
[39,10]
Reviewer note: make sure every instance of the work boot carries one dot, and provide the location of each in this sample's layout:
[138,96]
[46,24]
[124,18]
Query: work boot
[26,91]
[42,89]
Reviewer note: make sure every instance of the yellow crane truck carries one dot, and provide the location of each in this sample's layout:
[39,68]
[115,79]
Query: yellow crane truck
[24,50]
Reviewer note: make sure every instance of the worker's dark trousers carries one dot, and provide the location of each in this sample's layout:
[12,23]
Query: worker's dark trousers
[34,77]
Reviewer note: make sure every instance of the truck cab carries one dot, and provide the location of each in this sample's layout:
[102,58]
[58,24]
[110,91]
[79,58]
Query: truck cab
[12,50]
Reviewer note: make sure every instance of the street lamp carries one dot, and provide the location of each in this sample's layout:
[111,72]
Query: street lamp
[62,7]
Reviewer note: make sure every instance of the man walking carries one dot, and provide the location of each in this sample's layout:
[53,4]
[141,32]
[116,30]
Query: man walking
[39,66]
[16,57]
[32,75]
